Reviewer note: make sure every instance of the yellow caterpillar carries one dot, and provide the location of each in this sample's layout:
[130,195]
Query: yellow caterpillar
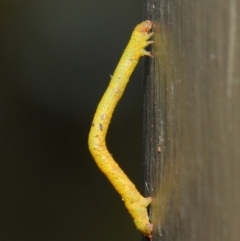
[134,201]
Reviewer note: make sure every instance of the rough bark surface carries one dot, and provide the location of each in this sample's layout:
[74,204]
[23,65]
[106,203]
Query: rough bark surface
[192,120]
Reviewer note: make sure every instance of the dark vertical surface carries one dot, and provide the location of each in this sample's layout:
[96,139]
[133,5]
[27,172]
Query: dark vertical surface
[192,120]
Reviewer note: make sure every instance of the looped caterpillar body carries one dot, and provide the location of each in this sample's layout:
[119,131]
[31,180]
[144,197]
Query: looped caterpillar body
[134,201]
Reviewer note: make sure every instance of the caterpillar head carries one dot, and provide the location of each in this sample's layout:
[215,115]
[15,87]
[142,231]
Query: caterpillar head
[144,26]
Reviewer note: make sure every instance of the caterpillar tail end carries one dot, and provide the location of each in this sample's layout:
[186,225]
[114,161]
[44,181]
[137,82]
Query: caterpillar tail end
[149,230]
[142,221]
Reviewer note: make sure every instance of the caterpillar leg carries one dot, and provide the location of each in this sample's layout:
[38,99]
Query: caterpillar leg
[145,52]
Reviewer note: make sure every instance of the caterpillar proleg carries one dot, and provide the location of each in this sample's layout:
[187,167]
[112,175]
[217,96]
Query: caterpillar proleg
[134,201]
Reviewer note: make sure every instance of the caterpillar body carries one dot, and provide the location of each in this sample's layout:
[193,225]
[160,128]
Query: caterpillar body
[134,201]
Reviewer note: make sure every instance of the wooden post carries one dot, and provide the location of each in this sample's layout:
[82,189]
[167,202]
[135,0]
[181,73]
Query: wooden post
[192,120]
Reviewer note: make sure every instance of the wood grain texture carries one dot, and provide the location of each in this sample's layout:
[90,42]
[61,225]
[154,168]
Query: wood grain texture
[192,113]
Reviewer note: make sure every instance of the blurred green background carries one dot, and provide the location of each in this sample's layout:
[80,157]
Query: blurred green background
[56,57]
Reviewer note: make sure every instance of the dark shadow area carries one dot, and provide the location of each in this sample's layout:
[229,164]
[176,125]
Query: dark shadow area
[56,57]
